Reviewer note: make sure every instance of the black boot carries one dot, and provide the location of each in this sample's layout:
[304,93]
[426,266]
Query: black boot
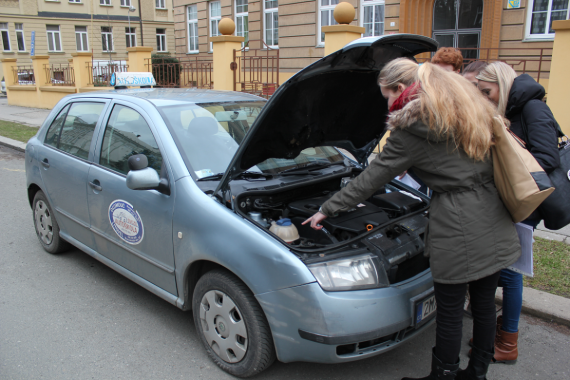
[478,365]
[439,370]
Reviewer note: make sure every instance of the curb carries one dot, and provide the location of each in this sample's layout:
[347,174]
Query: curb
[550,235]
[14,144]
[542,305]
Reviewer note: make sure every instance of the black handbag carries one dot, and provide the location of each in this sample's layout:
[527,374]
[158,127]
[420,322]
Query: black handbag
[555,210]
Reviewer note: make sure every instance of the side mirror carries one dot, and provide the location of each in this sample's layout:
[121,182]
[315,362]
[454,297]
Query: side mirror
[143,179]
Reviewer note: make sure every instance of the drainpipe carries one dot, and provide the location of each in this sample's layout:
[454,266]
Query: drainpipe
[140,20]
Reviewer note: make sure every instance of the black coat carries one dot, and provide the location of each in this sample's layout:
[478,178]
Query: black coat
[525,101]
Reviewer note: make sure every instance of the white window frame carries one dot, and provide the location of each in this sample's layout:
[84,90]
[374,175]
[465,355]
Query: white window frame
[265,12]
[330,9]
[373,4]
[81,33]
[160,4]
[131,36]
[52,38]
[162,38]
[125,3]
[215,19]
[75,1]
[242,15]
[107,34]
[7,31]
[105,3]
[20,30]
[542,36]
[193,25]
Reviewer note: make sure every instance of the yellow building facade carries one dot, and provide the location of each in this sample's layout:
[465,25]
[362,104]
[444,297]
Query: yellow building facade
[506,29]
[58,29]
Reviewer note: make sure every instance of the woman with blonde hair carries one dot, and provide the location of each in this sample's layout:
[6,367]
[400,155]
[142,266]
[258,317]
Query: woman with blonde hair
[519,99]
[441,127]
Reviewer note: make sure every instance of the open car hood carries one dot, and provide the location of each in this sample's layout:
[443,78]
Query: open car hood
[335,101]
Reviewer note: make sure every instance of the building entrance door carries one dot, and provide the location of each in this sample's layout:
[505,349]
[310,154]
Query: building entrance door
[457,23]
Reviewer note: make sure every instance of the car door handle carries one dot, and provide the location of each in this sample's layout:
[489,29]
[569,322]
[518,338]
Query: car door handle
[95,186]
[45,163]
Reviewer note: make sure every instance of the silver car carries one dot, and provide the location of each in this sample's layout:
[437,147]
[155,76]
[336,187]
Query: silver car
[198,196]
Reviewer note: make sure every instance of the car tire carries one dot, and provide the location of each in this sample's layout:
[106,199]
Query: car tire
[231,324]
[46,226]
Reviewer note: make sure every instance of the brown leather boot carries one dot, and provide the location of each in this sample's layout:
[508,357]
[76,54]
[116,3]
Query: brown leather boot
[506,348]
[499,324]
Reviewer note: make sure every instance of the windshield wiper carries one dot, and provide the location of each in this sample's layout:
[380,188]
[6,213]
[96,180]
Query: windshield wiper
[307,168]
[246,174]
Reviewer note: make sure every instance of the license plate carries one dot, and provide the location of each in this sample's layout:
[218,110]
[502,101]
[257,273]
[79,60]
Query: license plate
[425,309]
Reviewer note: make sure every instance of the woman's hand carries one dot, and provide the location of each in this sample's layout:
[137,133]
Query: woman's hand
[316,220]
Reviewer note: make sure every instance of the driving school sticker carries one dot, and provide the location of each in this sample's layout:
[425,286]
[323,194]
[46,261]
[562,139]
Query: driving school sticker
[126,222]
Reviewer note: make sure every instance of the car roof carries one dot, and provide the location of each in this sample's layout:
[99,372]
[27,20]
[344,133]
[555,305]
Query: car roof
[173,96]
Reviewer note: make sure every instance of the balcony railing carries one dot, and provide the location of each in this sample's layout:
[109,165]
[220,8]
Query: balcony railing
[60,74]
[170,72]
[101,72]
[24,75]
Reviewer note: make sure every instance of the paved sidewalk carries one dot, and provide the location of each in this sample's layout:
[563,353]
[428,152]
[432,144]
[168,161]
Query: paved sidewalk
[535,302]
[24,115]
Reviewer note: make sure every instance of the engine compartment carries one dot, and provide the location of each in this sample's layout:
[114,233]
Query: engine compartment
[390,224]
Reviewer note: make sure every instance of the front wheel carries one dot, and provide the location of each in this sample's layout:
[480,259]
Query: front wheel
[46,226]
[231,325]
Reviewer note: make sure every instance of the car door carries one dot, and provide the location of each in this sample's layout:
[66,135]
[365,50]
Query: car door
[65,157]
[133,228]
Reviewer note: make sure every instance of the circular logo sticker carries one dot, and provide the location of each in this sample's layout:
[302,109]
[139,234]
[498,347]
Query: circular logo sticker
[126,222]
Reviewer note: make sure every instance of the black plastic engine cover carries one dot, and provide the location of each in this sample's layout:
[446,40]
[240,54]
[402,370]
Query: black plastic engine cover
[396,202]
[354,220]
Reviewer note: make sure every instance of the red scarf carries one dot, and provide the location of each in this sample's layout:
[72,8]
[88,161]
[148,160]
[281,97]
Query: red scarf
[407,96]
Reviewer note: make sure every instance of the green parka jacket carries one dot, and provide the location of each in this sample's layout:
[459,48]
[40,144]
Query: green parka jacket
[470,232]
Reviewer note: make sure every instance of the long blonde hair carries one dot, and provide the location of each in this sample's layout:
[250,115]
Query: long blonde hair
[450,105]
[504,76]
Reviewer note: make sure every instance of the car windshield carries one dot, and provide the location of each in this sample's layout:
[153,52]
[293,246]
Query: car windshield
[209,134]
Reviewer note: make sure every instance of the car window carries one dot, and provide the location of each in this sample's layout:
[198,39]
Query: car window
[52,136]
[78,128]
[127,133]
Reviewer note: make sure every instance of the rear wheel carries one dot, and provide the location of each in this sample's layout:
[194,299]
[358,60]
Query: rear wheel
[231,324]
[46,226]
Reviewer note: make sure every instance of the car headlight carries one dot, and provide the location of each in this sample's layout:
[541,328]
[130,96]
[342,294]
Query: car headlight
[351,273]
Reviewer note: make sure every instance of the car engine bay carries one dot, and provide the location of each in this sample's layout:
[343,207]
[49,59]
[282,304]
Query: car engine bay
[391,224]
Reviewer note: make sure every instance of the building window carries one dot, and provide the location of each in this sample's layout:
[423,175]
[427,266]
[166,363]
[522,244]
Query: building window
[81,38]
[161,40]
[326,17]
[541,14]
[160,4]
[54,38]
[242,25]
[271,24]
[192,29]
[131,37]
[5,36]
[125,3]
[75,1]
[215,17]
[20,37]
[457,23]
[107,38]
[372,16]
[105,2]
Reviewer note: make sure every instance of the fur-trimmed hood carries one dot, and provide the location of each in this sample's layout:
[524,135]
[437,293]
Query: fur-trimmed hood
[410,119]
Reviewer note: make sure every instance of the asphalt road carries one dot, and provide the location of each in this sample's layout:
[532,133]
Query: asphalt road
[70,317]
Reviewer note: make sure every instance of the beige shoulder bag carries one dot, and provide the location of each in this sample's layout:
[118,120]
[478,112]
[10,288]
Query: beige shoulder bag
[520,180]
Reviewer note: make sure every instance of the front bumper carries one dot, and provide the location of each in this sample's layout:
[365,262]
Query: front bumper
[311,325]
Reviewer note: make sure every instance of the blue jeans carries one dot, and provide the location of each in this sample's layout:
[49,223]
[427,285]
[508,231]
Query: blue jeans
[512,284]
